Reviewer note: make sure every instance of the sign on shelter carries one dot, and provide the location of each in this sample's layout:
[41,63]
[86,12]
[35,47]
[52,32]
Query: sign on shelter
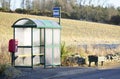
[56,12]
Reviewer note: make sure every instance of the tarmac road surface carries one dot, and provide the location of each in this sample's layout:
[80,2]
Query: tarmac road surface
[98,74]
[68,73]
[53,73]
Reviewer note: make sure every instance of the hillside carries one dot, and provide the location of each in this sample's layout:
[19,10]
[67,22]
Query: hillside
[73,31]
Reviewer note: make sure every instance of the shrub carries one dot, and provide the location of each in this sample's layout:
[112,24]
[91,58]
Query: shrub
[64,51]
[4,58]
[65,15]
[115,19]
[35,12]
[46,13]
[1,9]
[2,68]
[19,10]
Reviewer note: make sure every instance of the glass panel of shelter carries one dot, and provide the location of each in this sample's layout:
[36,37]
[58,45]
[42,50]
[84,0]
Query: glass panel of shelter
[24,37]
[49,47]
[21,59]
[39,45]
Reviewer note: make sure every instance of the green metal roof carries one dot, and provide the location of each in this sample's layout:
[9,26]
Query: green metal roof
[36,23]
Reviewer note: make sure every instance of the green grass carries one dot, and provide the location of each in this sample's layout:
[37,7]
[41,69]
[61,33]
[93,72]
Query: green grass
[73,31]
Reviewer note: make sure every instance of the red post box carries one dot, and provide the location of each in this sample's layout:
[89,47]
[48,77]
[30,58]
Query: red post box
[13,45]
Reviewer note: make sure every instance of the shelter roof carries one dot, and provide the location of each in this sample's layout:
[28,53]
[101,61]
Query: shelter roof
[35,23]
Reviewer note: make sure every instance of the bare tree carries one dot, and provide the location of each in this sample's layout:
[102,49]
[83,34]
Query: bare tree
[90,2]
[28,4]
[49,5]
[101,2]
[9,4]
[36,5]
[23,4]
[2,3]
[5,4]
[82,2]
[104,2]
[43,5]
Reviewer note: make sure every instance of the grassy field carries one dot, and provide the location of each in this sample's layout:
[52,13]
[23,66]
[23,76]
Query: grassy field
[73,31]
[82,32]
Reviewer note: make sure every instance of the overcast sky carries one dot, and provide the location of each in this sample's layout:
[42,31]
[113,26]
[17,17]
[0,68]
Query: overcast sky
[115,3]
[17,3]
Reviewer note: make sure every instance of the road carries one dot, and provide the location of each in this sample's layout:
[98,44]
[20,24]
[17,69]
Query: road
[98,74]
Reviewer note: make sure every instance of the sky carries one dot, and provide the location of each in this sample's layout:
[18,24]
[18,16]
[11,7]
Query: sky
[15,4]
[116,3]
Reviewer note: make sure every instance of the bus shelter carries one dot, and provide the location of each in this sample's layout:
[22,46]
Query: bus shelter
[38,42]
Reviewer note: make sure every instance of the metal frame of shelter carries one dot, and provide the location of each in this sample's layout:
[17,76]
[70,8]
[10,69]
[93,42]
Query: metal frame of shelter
[38,42]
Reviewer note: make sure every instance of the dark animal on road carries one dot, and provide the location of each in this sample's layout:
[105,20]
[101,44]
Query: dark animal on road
[93,58]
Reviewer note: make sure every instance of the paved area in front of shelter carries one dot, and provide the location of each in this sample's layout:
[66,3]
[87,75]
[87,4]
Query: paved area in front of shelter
[49,73]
